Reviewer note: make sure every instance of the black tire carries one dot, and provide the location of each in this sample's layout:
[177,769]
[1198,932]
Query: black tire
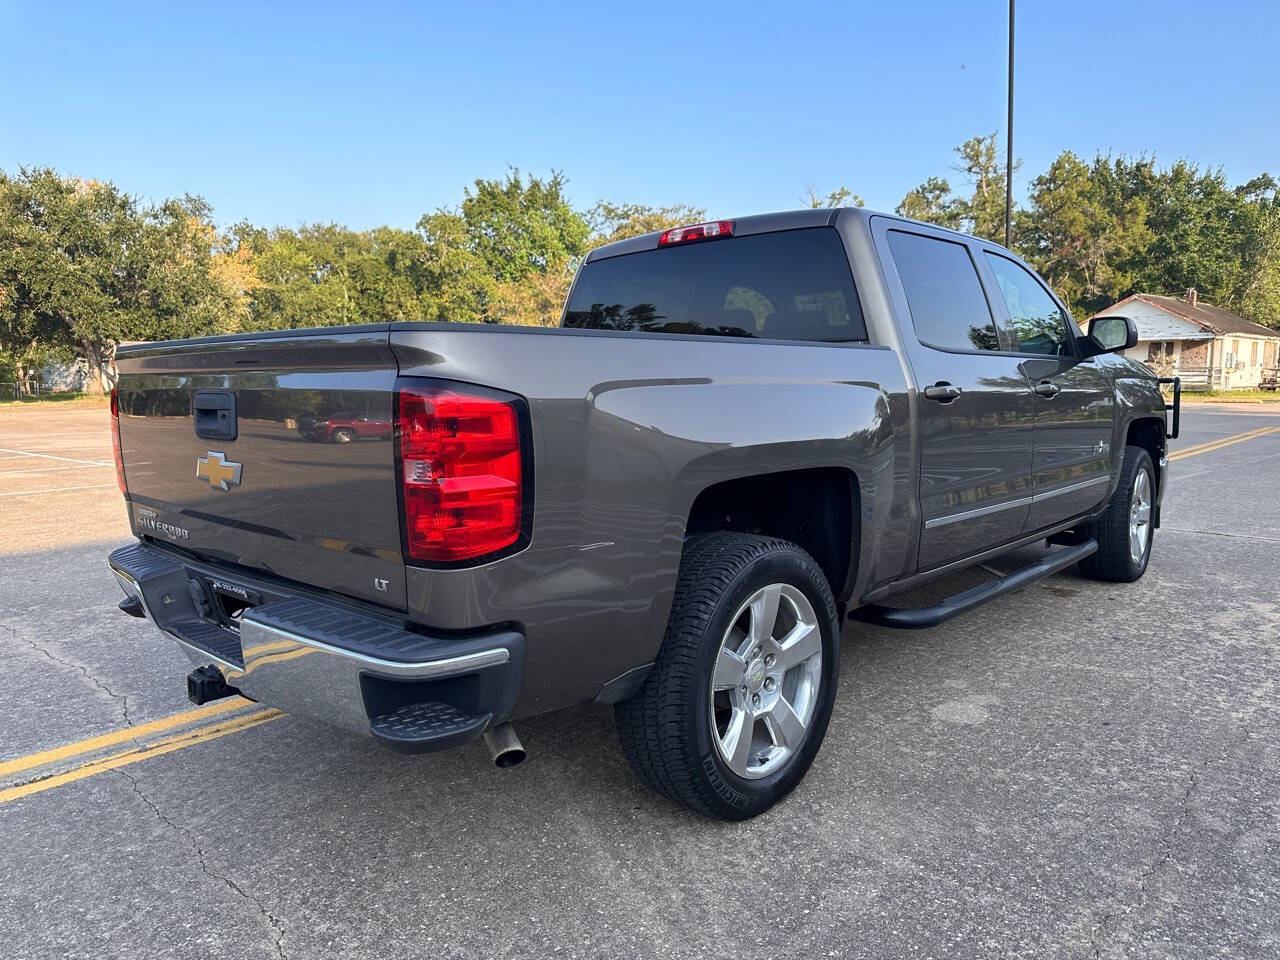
[665,729]
[343,435]
[1114,561]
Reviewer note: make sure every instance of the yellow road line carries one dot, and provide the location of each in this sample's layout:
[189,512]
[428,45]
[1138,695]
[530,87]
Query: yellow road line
[79,747]
[1225,442]
[1187,451]
[127,757]
[216,730]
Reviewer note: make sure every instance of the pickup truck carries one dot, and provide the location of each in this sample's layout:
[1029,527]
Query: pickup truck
[742,433]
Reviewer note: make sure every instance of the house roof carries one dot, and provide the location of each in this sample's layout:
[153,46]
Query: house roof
[1204,315]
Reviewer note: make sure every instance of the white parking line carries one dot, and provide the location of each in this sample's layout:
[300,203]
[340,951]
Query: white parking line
[52,436]
[33,493]
[50,456]
[70,466]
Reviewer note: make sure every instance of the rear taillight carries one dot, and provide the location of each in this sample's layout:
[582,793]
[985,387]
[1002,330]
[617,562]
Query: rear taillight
[462,471]
[714,230]
[115,440]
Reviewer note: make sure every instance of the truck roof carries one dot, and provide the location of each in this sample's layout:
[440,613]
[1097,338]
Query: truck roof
[763,223]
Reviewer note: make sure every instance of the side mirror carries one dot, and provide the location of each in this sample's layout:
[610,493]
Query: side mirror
[1110,334]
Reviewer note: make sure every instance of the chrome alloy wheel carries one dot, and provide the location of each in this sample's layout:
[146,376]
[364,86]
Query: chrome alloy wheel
[764,687]
[1140,516]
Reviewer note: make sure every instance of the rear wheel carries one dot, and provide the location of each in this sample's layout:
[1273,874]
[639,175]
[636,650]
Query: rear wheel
[1124,532]
[737,704]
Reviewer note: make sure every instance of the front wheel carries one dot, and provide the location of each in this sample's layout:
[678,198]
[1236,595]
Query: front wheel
[343,435]
[1124,532]
[737,704]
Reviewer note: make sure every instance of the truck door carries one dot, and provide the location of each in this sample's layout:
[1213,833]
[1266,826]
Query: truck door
[1074,398]
[975,406]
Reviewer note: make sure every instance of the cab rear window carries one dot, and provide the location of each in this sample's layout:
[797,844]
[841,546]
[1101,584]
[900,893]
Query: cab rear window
[789,285]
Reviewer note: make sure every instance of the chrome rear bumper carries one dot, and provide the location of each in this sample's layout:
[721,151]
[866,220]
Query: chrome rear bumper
[346,666]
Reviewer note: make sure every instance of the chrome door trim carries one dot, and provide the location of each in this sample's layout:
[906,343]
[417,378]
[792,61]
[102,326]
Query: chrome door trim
[1022,502]
[1072,488]
[978,512]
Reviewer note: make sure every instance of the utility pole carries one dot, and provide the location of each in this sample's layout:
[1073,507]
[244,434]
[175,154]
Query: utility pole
[1008,158]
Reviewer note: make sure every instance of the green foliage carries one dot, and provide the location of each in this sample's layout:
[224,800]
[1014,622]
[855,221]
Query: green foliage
[840,197]
[1099,232]
[85,266]
[506,255]
[1084,234]
[981,212]
[325,274]
[518,228]
[932,202]
[620,221]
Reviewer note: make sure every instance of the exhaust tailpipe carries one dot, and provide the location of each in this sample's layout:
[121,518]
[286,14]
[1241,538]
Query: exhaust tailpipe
[504,745]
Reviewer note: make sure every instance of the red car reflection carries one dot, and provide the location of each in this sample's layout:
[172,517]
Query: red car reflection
[344,427]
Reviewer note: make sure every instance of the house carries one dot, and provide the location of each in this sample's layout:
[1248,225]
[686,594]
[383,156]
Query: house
[57,377]
[1206,346]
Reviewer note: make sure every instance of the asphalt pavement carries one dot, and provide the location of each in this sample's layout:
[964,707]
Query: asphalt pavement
[1077,770]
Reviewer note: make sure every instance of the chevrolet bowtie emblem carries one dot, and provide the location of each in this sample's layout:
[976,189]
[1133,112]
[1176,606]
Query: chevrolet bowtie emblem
[218,470]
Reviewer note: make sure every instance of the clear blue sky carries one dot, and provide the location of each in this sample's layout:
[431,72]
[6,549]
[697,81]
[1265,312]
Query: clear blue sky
[369,113]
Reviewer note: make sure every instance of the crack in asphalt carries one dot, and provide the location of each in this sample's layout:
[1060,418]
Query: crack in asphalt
[123,698]
[1164,849]
[1219,533]
[275,924]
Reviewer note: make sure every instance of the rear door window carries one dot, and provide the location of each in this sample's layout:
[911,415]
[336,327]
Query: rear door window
[949,309]
[788,285]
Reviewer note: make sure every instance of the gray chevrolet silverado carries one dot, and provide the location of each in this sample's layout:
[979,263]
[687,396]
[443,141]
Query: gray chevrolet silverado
[742,433]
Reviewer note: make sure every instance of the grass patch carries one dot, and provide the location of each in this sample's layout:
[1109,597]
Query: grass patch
[62,396]
[1247,396]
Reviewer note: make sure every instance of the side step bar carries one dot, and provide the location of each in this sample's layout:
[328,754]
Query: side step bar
[907,618]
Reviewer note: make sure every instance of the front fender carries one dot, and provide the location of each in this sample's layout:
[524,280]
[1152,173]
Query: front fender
[1138,398]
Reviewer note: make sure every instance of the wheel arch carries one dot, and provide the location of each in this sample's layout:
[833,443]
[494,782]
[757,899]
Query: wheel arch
[816,508]
[1148,433]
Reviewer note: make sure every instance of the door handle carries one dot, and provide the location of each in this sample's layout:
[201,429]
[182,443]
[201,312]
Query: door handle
[942,391]
[1047,388]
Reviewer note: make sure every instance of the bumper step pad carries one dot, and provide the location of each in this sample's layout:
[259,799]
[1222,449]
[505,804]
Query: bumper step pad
[412,726]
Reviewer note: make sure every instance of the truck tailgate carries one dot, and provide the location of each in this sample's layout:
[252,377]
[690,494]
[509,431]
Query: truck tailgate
[305,491]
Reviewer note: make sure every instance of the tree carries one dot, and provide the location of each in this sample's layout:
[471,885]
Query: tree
[83,267]
[63,264]
[456,277]
[620,221]
[326,274]
[840,197]
[505,234]
[982,211]
[535,301]
[192,281]
[1082,235]
[1260,295]
[932,202]
[518,228]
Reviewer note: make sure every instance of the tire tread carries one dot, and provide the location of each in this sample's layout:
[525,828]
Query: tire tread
[653,725]
[1111,562]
